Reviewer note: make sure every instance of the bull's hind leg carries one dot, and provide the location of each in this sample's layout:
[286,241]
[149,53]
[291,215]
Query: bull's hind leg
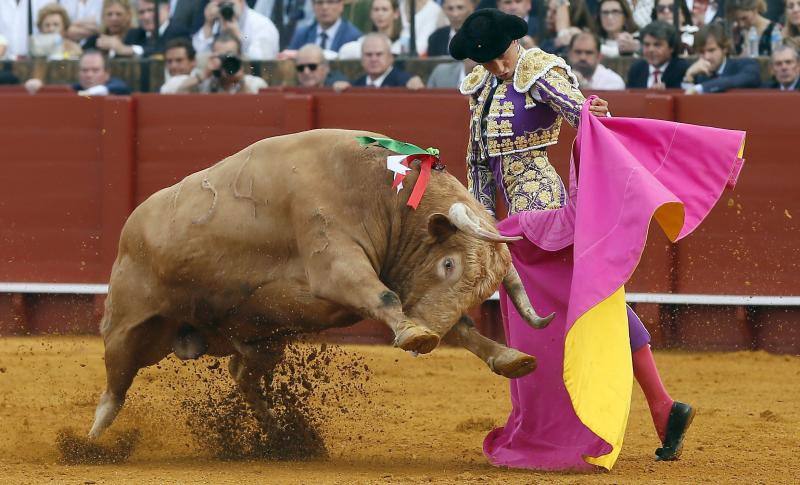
[248,366]
[502,360]
[130,346]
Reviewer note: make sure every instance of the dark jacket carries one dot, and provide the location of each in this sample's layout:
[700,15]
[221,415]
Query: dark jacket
[308,35]
[773,84]
[738,73]
[396,78]
[138,36]
[114,85]
[439,42]
[672,77]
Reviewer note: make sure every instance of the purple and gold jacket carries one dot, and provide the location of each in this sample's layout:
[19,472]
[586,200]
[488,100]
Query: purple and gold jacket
[523,117]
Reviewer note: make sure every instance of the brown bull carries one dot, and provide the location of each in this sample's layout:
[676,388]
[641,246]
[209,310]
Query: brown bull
[297,234]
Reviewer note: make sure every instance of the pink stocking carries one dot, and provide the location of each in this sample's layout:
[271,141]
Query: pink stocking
[644,368]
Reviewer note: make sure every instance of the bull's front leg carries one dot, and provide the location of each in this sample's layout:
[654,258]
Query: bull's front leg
[350,280]
[502,360]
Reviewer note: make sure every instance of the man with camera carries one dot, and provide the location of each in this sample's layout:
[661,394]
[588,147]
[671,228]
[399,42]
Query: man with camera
[256,33]
[224,72]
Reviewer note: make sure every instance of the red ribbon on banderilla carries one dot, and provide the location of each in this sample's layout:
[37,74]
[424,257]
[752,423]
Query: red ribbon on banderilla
[400,164]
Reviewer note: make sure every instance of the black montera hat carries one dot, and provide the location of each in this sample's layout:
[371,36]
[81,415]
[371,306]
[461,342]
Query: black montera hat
[486,34]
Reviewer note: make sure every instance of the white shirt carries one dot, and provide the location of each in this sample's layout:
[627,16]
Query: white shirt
[83,9]
[651,69]
[14,24]
[604,79]
[378,82]
[259,37]
[428,19]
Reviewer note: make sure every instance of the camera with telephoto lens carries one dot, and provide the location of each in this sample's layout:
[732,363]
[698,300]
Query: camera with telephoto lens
[226,11]
[229,65]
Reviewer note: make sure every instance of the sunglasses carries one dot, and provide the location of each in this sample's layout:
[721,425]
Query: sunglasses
[302,67]
[664,8]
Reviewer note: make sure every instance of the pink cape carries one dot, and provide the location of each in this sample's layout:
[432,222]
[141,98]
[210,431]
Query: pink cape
[572,411]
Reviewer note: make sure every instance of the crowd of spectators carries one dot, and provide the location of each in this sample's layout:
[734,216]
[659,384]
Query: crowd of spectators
[206,44]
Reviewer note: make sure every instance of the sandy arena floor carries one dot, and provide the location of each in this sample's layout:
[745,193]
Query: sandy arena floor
[421,420]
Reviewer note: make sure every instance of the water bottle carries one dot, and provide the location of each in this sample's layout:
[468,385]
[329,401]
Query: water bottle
[752,42]
[775,39]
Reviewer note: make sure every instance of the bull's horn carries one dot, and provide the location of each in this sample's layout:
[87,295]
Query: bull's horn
[462,217]
[513,285]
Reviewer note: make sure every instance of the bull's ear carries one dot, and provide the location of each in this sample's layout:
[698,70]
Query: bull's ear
[439,228]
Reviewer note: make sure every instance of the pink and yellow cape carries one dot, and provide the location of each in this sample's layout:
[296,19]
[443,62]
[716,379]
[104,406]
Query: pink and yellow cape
[571,413]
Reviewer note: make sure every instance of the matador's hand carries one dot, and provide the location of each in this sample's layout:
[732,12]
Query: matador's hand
[599,107]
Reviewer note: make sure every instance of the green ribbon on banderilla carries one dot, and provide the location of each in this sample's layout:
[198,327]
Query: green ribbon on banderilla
[429,159]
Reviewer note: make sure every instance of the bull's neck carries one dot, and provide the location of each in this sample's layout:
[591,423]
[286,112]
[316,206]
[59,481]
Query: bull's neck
[405,249]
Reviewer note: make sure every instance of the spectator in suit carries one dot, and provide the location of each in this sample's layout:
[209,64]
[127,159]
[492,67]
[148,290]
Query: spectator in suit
[51,41]
[117,17]
[329,30]
[791,32]
[94,78]
[378,63]
[142,40]
[224,71]
[385,18]
[584,57]
[660,68]
[179,60]
[616,28]
[457,11]
[313,70]
[257,34]
[748,14]
[785,69]
[295,14]
[714,71]
[187,14]
[450,74]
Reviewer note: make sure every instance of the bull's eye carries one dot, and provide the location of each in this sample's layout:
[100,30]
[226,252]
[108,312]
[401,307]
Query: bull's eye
[448,264]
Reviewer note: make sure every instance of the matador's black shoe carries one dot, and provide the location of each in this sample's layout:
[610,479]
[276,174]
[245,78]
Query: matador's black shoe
[680,417]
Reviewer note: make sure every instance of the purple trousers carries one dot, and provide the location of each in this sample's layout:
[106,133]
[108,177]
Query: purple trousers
[638,334]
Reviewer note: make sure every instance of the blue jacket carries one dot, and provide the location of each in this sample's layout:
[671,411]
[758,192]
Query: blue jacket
[738,73]
[114,85]
[308,35]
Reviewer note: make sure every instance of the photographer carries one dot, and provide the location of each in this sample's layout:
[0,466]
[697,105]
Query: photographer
[256,33]
[224,72]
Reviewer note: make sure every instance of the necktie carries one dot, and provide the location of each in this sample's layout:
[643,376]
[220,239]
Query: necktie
[323,40]
[656,76]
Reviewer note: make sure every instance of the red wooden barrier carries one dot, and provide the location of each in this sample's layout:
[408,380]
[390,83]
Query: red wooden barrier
[73,168]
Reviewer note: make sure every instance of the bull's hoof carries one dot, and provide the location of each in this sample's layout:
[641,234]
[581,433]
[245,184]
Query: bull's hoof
[414,338]
[512,363]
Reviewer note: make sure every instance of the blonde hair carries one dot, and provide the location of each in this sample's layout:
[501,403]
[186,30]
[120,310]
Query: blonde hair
[52,9]
[125,4]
